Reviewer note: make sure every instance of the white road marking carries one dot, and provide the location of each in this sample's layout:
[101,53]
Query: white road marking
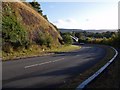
[96,74]
[77,55]
[43,63]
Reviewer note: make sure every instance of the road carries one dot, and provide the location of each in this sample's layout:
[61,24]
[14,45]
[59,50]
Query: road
[50,71]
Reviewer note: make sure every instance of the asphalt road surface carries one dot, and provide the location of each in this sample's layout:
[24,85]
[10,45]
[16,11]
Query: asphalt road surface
[49,71]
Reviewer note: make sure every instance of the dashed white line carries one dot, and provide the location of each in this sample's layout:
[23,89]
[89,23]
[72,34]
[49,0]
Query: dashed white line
[43,63]
[77,55]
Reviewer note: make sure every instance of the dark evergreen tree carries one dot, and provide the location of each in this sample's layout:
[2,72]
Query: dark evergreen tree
[45,16]
[36,6]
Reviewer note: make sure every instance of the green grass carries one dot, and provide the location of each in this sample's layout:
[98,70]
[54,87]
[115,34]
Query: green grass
[65,48]
[36,50]
[0,53]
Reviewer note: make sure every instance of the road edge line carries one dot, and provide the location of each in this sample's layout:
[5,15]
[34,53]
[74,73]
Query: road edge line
[96,74]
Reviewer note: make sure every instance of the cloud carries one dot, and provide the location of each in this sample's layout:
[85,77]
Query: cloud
[66,23]
[70,20]
[106,20]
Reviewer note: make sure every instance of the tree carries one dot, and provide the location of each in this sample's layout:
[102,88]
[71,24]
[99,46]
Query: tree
[36,6]
[79,35]
[118,38]
[81,40]
[13,33]
[45,16]
[67,39]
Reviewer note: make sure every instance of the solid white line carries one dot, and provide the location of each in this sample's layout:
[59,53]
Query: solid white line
[87,81]
[43,63]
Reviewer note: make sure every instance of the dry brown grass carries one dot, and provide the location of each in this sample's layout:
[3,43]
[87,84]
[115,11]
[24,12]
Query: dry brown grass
[32,20]
[36,50]
[37,19]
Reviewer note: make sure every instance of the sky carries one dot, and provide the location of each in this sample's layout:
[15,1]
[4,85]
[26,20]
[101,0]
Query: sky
[82,15]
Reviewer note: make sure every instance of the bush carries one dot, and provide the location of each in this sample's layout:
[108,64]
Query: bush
[41,40]
[80,40]
[44,39]
[13,32]
[49,41]
[67,39]
[7,48]
[115,40]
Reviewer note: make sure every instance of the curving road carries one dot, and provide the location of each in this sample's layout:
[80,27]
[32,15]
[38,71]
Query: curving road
[49,71]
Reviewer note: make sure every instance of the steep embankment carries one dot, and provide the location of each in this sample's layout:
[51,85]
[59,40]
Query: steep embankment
[23,25]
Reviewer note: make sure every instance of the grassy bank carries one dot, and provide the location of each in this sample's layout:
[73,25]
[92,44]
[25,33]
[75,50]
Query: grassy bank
[0,53]
[64,48]
[36,50]
[78,79]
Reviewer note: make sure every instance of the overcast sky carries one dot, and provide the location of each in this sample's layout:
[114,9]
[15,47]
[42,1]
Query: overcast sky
[82,15]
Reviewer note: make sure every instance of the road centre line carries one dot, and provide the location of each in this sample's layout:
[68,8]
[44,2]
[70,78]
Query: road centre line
[29,66]
[77,55]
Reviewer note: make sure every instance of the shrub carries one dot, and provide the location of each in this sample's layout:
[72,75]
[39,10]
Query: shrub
[67,39]
[49,41]
[7,48]
[13,32]
[44,39]
[80,40]
[41,39]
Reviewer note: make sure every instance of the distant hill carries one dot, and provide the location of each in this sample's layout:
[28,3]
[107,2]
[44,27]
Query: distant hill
[70,30]
[101,31]
[80,30]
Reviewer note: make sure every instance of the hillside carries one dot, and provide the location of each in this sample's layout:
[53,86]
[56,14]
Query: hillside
[22,25]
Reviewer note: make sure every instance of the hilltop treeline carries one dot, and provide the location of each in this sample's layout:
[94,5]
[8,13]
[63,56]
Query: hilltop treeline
[108,37]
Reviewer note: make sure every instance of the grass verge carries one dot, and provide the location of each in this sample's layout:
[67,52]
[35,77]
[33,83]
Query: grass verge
[78,79]
[0,53]
[109,78]
[36,50]
[64,48]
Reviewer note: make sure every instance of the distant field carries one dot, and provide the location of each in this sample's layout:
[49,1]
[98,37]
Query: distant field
[93,31]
